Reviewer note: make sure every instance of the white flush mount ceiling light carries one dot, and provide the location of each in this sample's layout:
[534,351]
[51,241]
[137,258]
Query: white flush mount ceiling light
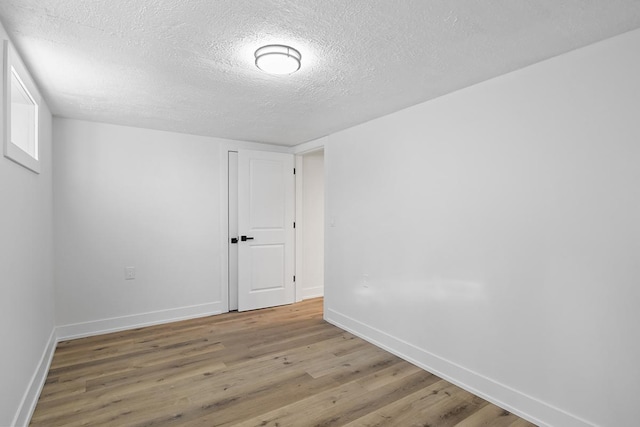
[278,59]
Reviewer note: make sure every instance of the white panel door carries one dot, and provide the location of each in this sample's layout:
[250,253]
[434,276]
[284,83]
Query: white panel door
[265,224]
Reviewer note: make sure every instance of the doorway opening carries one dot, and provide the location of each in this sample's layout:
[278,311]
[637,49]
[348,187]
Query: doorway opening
[310,232]
[306,221]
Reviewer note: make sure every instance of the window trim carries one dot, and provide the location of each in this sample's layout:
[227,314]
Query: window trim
[13,64]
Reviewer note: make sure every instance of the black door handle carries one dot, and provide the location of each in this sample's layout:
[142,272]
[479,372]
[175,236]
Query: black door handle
[245,238]
[234,240]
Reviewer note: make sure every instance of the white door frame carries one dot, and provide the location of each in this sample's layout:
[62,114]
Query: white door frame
[232,227]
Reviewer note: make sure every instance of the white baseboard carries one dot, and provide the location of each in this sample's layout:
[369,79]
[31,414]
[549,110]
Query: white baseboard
[30,397]
[315,292]
[115,324]
[97,327]
[516,402]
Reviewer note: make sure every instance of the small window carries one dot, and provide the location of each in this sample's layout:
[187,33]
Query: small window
[20,115]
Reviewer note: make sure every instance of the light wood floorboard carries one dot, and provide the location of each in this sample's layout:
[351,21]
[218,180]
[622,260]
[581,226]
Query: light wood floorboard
[281,366]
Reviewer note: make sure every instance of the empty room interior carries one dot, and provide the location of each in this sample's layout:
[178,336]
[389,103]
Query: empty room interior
[300,213]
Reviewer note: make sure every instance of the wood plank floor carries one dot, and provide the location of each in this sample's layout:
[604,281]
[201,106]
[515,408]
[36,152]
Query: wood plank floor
[283,366]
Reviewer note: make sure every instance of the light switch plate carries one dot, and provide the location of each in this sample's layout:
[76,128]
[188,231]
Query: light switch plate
[129,273]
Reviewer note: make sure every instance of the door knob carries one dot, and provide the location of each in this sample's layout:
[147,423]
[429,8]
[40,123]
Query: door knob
[245,238]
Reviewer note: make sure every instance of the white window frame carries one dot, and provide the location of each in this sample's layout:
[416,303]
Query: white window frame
[12,64]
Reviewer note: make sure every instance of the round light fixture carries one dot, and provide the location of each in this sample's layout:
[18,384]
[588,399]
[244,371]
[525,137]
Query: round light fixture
[278,59]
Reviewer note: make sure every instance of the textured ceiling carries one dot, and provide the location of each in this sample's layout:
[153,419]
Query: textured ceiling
[188,66]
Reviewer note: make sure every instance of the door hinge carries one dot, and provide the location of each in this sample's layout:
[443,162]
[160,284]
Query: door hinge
[294,171]
[294,278]
[294,224]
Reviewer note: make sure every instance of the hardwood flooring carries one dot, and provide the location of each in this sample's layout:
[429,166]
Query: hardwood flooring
[282,366]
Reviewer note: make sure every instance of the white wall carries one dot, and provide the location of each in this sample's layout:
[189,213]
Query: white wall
[26,282]
[499,229]
[134,197]
[311,278]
